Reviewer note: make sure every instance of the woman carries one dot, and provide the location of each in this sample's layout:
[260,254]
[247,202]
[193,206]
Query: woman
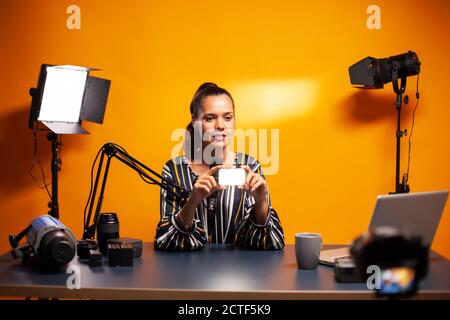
[214,214]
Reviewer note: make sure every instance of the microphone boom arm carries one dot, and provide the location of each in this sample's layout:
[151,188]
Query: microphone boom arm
[111,150]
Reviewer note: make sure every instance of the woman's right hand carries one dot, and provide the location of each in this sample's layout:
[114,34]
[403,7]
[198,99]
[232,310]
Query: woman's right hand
[206,185]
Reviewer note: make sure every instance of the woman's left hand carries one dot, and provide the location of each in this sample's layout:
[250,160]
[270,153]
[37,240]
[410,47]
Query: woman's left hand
[255,184]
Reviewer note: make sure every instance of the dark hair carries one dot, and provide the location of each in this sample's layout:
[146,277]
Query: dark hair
[205,90]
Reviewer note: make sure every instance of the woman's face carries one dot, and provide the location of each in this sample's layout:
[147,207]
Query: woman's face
[217,119]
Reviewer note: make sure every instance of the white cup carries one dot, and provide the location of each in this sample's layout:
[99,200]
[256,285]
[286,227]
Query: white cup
[307,249]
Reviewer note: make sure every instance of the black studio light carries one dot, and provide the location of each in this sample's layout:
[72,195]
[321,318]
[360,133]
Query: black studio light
[373,73]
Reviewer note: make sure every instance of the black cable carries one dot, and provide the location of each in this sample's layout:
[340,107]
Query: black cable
[406,176]
[142,171]
[36,160]
[91,186]
[138,168]
[92,174]
[60,151]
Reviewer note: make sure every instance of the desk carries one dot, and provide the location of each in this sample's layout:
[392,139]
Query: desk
[216,272]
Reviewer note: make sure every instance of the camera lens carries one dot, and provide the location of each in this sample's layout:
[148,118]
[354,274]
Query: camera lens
[107,228]
[84,246]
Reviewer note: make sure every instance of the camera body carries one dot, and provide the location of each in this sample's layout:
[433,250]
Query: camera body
[402,260]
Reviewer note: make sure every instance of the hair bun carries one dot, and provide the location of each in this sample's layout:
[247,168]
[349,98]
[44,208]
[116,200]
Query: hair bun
[207,85]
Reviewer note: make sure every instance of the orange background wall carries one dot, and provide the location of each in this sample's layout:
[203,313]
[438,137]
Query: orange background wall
[287,60]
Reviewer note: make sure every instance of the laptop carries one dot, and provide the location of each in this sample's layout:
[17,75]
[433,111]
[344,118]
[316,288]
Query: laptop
[416,213]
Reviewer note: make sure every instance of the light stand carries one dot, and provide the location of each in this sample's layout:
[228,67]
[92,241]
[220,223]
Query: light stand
[372,73]
[64,97]
[400,186]
[111,150]
[55,167]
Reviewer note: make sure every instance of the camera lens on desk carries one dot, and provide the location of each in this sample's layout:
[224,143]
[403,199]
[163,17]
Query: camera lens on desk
[107,228]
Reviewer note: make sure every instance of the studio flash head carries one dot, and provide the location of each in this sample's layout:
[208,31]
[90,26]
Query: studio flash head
[49,243]
[372,73]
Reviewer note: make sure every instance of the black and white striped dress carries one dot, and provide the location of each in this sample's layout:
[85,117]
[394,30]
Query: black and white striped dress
[231,221]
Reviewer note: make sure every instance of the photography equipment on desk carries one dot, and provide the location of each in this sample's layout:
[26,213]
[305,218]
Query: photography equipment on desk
[372,73]
[117,250]
[88,250]
[95,258]
[417,212]
[136,244]
[84,248]
[65,96]
[50,244]
[107,228]
[107,225]
[120,254]
[345,270]
[401,259]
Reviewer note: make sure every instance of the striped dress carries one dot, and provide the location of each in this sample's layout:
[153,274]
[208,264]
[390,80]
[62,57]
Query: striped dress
[231,221]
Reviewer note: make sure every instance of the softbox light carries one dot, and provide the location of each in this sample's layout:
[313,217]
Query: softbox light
[65,96]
